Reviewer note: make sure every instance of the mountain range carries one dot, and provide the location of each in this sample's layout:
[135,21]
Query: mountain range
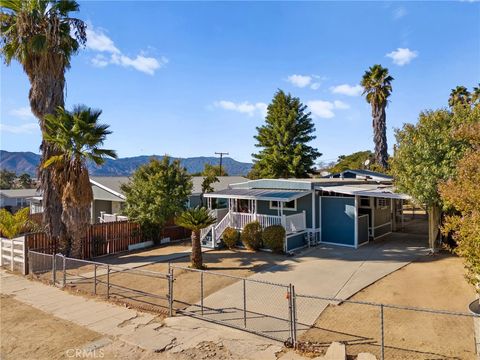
[27,162]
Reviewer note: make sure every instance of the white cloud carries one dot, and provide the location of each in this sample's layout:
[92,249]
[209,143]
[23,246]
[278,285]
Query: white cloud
[340,105]
[402,56]
[99,42]
[324,109]
[22,113]
[302,81]
[299,80]
[346,89]
[19,129]
[399,13]
[243,107]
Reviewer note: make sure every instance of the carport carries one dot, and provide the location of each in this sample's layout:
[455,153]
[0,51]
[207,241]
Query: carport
[353,215]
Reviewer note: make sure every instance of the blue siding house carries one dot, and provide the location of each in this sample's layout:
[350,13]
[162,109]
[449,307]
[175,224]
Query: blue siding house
[341,211]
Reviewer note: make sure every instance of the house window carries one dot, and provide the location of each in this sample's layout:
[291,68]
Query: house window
[383,202]
[364,201]
[289,206]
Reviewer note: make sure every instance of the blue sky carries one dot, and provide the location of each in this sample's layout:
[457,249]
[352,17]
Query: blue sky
[189,79]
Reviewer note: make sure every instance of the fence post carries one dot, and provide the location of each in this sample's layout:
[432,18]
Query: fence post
[12,254]
[290,319]
[25,256]
[108,281]
[1,251]
[382,344]
[54,268]
[170,291]
[244,303]
[64,271]
[95,279]
[201,290]
[294,315]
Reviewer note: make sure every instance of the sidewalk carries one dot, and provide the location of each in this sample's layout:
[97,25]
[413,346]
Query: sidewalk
[136,328]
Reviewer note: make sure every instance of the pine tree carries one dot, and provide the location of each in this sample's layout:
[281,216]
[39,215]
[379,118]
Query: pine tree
[283,139]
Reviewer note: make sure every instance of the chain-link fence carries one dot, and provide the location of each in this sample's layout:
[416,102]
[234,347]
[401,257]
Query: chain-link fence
[386,331]
[143,289]
[311,323]
[259,307]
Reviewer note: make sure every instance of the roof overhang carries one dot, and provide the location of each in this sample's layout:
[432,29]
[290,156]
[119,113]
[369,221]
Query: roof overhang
[365,190]
[257,194]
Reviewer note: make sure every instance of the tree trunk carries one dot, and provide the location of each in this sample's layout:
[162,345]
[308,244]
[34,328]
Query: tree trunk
[76,202]
[380,135]
[434,221]
[46,94]
[196,257]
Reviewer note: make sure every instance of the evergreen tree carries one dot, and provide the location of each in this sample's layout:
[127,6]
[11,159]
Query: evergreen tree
[283,139]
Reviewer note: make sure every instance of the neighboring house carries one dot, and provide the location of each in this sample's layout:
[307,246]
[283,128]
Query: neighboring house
[360,175]
[223,183]
[348,212]
[14,199]
[109,199]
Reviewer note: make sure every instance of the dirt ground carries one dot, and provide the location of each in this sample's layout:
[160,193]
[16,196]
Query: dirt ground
[28,333]
[146,287]
[429,283]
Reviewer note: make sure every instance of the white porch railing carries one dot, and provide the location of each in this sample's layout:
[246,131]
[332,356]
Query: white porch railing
[104,217]
[237,220]
[296,222]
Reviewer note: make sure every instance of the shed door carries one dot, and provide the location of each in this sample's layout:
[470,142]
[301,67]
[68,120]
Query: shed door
[338,220]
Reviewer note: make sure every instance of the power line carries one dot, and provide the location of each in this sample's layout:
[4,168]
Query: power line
[221,157]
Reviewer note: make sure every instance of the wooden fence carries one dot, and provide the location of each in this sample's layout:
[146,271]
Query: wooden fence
[104,238]
[101,239]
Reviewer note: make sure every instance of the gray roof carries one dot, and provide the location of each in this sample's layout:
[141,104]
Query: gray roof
[374,175]
[370,190]
[111,182]
[101,194]
[223,183]
[258,194]
[18,193]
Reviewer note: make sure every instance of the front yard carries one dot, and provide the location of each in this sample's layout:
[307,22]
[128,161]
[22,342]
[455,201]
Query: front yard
[425,283]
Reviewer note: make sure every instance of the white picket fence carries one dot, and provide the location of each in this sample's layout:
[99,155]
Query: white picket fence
[13,253]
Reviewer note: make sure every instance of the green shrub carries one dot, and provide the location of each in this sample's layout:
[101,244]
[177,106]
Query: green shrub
[252,236]
[273,237]
[230,237]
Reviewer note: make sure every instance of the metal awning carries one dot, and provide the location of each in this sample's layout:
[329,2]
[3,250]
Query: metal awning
[371,190]
[257,194]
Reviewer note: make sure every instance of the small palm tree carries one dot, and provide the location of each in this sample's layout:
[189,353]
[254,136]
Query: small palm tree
[11,225]
[459,95]
[377,86]
[196,219]
[42,35]
[76,137]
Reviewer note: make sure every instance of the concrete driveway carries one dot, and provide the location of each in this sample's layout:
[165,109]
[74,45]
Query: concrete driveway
[324,271]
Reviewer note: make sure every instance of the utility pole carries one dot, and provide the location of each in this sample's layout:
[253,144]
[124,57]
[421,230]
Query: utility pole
[221,157]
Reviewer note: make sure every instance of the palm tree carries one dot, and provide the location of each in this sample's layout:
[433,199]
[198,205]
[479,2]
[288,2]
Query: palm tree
[12,225]
[42,37]
[459,95]
[76,138]
[196,219]
[377,85]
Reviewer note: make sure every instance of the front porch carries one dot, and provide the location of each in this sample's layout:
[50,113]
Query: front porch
[240,207]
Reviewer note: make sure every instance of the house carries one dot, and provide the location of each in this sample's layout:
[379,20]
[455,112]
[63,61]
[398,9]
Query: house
[14,199]
[109,200]
[223,183]
[346,212]
[361,174]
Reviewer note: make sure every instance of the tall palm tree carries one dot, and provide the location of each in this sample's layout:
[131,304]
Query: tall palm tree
[459,95]
[76,138]
[377,86]
[42,37]
[196,219]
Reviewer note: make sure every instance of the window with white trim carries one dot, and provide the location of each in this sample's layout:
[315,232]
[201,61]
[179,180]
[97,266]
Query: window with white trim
[383,202]
[289,206]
